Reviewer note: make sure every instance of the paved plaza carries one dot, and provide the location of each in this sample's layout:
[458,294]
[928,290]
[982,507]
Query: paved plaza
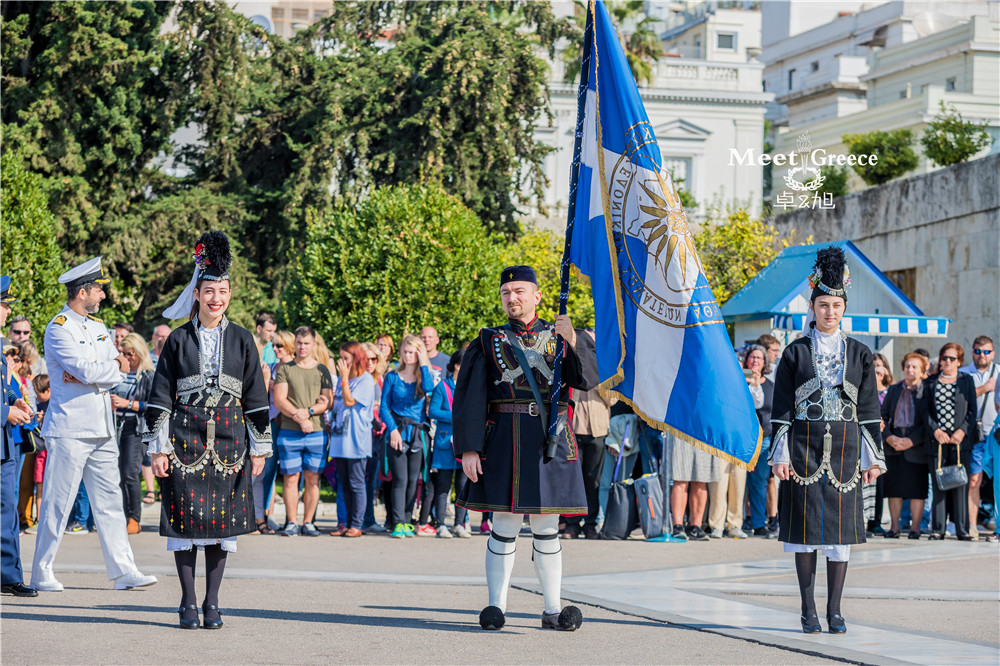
[380,600]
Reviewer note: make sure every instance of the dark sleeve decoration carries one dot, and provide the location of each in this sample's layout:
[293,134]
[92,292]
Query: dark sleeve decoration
[869,417]
[255,403]
[783,406]
[580,366]
[161,395]
[470,403]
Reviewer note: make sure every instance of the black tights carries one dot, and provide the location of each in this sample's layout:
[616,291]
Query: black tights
[215,566]
[836,574]
[805,569]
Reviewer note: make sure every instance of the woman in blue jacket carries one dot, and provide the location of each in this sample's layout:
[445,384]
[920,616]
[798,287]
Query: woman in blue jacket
[402,411]
[444,460]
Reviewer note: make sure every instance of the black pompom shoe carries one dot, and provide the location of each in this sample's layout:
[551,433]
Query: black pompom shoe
[569,619]
[492,619]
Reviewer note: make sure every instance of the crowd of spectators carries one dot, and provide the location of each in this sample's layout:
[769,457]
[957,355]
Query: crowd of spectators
[374,427]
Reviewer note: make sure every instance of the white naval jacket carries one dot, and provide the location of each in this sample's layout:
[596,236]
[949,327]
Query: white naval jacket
[83,347]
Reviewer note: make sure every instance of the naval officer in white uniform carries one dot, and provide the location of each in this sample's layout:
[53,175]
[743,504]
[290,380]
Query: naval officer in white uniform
[79,431]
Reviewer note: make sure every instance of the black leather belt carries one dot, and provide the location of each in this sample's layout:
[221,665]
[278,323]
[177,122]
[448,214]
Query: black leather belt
[529,408]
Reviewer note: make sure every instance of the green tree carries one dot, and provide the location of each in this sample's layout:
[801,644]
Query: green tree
[403,258]
[454,101]
[641,44]
[949,139]
[894,151]
[735,248]
[543,250]
[28,243]
[835,182]
[380,94]
[87,97]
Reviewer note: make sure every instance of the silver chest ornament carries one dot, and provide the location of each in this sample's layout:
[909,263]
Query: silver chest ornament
[535,358]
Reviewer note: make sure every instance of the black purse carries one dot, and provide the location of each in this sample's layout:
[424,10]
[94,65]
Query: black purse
[952,476]
[621,514]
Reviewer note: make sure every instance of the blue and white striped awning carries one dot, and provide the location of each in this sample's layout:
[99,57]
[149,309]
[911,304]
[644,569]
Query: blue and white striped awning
[872,324]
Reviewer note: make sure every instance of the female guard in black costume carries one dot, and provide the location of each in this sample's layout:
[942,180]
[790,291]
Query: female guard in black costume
[827,441]
[206,419]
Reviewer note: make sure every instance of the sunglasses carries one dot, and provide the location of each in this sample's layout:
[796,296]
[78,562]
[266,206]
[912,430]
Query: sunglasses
[950,359]
[279,346]
[14,332]
[373,358]
[977,352]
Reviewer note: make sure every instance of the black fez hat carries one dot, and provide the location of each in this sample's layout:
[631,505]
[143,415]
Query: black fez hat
[518,274]
[213,256]
[830,276]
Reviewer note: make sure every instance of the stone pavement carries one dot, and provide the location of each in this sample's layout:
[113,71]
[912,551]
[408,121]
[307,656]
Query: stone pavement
[381,600]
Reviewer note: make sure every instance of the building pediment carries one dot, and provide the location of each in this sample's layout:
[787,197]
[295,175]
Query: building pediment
[681,130]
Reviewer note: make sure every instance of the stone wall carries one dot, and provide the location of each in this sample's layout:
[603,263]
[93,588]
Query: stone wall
[945,225]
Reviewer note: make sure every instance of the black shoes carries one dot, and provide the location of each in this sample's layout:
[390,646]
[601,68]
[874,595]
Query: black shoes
[568,619]
[214,622]
[189,617]
[810,624]
[765,533]
[492,618]
[836,623]
[18,590]
[695,533]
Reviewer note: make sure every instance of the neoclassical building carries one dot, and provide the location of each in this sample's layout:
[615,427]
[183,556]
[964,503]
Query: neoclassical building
[704,103]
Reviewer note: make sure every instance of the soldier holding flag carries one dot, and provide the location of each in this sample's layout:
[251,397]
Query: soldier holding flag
[500,425]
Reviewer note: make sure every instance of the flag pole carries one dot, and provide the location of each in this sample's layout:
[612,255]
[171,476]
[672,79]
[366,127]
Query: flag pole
[581,104]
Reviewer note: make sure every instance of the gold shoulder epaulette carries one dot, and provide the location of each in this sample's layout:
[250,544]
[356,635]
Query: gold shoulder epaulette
[99,321]
[61,319]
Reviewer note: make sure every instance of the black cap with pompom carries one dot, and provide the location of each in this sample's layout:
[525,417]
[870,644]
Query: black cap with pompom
[830,276]
[213,256]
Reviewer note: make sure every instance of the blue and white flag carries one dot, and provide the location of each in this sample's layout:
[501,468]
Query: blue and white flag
[662,345]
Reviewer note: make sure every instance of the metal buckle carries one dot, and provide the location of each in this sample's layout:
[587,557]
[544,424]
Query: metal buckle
[533,409]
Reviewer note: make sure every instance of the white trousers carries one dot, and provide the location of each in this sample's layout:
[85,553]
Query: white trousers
[96,462]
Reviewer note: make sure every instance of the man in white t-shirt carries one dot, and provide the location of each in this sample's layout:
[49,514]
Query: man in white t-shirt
[984,372]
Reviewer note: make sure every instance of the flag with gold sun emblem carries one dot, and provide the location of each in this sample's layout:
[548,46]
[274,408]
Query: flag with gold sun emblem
[662,345]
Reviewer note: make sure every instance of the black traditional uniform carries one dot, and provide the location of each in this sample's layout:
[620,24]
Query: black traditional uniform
[208,493]
[495,414]
[828,428]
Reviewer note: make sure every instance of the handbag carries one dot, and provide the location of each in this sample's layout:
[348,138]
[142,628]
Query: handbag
[952,476]
[621,514]
[649,497]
